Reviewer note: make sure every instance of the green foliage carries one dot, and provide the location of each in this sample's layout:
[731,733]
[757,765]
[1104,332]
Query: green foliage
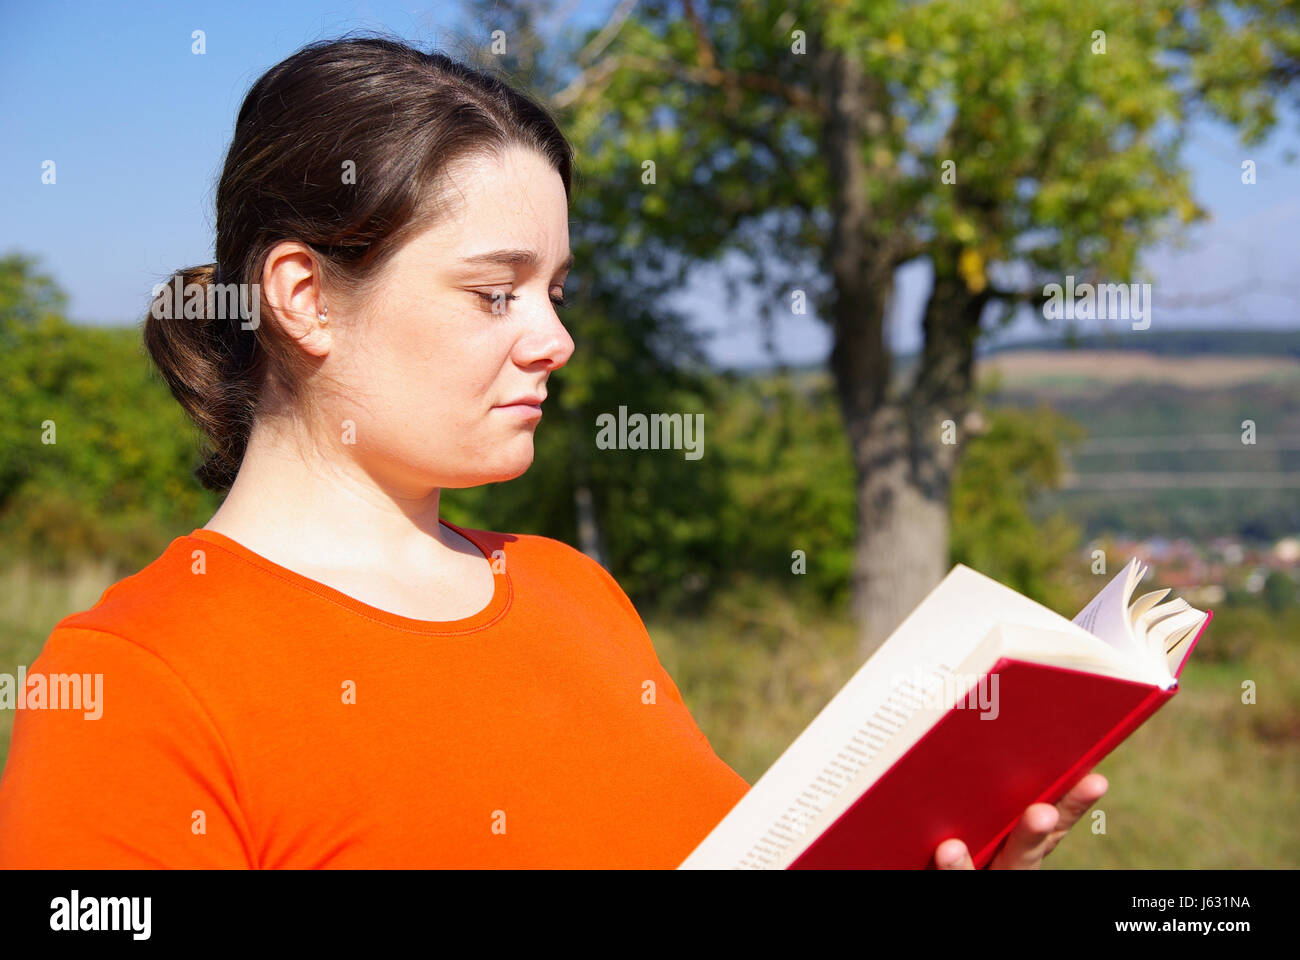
[1279,591]
[1062,123]
[1004,471]
[1066,143]
[115,483]
[790,484]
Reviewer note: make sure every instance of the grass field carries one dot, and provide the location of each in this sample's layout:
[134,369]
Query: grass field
[1207,782]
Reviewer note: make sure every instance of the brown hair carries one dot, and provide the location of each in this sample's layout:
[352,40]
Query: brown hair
[394,116]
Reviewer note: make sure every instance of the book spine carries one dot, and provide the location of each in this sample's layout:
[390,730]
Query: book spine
[1149,705]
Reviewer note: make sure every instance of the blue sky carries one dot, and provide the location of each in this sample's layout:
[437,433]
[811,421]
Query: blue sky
[138,126]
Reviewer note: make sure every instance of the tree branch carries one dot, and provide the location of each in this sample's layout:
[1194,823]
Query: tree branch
[598,74]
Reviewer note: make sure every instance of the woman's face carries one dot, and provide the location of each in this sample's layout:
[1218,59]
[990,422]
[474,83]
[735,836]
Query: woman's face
[443,367]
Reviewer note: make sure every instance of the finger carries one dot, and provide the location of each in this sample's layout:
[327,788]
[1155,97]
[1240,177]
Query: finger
[1028,841]
[1074,805]
[1080,797]
[953,855]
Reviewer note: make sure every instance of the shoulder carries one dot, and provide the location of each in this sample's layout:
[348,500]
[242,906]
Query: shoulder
[167,598]
[527,546]
[552,562]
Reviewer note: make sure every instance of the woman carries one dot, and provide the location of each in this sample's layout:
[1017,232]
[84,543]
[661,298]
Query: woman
[326,674]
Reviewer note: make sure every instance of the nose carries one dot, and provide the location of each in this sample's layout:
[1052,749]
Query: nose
[546,341]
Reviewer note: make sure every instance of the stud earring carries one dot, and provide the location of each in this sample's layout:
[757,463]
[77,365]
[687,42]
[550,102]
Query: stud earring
[323,322]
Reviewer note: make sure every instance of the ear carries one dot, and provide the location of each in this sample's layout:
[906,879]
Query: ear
[291,284]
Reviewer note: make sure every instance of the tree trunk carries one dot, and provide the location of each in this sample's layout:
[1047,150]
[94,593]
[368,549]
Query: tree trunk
[589,538]
[904,467]
[905,551]
[906,454]
[902,548]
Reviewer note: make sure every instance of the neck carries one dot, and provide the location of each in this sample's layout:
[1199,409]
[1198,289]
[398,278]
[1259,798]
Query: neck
[297,501]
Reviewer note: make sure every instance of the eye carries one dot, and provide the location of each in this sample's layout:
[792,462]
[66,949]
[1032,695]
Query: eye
[491,298]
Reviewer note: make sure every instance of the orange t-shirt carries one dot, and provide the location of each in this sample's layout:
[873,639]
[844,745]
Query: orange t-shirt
[252,717]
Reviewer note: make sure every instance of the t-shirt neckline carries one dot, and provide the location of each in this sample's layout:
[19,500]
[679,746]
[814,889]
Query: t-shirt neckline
[502,594]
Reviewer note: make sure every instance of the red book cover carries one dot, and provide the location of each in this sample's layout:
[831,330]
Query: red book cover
[972,777]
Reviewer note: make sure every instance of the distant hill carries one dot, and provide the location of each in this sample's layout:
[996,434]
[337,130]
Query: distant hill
[1163,413]
[1053,372]
[1223,342]
[1212,341]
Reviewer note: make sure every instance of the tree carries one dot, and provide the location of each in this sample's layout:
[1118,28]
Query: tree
[97,457]
[1007,143]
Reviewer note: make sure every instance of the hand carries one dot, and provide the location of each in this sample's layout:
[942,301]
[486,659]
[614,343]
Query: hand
[1035,836]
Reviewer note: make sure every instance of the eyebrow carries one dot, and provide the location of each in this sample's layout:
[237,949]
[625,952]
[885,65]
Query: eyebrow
[527,258]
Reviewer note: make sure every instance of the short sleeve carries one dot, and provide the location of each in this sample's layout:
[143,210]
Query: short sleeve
[115,764]
[662,678]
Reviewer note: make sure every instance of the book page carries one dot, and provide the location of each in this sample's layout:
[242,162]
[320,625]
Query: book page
[1144,603]
[1176,650]
[1107,615]
[1168,634]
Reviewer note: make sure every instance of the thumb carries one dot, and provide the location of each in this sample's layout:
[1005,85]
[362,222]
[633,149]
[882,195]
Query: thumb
[953,855]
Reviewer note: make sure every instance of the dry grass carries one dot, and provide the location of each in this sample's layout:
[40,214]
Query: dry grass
[31,603]
[1208,782]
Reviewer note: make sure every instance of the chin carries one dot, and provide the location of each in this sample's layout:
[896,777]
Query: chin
[514,457]
[506,465]
[512,472]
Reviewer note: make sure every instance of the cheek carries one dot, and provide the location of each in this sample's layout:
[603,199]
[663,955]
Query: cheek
[425,377]
[438,372]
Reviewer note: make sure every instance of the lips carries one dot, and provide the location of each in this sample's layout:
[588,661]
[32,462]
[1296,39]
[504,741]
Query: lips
[527,408]
[531,400]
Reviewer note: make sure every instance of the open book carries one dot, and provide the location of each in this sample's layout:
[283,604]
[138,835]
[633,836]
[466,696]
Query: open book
[979,704]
